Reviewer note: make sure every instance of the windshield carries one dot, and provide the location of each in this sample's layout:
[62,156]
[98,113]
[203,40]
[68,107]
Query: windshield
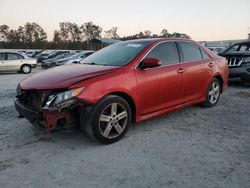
[238,48]
[118,54]
[67,55]
[78,55]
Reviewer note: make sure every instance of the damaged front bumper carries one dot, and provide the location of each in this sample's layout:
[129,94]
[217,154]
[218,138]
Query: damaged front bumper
[63,116]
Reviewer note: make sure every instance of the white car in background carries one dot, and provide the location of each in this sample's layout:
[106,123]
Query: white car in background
[13,61]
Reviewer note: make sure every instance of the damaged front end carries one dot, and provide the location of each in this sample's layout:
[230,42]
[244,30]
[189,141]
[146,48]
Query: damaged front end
[49,109]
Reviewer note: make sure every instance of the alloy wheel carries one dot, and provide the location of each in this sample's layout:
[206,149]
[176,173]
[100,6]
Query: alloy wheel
[214,92]
[113,120]
[26,69]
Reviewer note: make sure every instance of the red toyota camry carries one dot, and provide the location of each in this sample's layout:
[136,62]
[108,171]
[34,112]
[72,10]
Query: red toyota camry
[128,81]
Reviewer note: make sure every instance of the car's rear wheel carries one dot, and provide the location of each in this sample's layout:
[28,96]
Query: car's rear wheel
[213,93]
[108,120]
[26,69]
[53,64]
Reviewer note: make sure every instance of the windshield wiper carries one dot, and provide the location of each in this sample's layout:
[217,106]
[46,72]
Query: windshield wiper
[93,63]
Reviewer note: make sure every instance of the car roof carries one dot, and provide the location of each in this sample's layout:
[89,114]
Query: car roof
[245,42]
[160,40]
[12,52]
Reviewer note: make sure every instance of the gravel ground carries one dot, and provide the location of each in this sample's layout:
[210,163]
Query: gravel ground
[193,147]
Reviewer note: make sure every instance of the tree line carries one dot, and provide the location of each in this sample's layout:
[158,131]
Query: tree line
[69,36]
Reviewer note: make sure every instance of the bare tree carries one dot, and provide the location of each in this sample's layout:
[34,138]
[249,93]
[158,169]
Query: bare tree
[57,37]
[4,31]
[32,32]
[165,33]
[147,34]
[112,33]
[91,30]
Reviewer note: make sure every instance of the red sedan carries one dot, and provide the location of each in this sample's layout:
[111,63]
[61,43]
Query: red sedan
[128,81]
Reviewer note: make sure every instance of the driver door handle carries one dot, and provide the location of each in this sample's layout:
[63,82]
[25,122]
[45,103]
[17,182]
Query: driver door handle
[180,71]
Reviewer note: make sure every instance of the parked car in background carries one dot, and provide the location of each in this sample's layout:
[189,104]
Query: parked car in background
[37,54]
[21,52]
[32,53]
[128,81]
[76,58]
[13,61]
[48,55]
[29,54]
[217,49]
[48,63]
[238,56]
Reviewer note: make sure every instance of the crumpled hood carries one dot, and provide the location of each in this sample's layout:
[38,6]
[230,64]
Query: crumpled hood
[63,76]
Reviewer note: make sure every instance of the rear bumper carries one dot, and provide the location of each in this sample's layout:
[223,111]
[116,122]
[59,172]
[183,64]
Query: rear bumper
[34,65]
[47,65]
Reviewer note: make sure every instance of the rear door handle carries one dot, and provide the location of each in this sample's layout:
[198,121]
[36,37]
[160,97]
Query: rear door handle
[211,65]
[180,71]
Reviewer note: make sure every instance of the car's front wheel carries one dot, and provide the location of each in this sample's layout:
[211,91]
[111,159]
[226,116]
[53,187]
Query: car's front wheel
[213,93]
[108,120]
[26,69]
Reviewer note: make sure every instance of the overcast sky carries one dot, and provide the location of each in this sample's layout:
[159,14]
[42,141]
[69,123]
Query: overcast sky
[200,19]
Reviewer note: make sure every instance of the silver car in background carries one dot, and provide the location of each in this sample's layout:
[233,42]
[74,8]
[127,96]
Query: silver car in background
[13,61]
[76,58]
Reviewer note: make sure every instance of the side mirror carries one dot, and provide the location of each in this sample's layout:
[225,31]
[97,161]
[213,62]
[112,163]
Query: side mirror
[150,63]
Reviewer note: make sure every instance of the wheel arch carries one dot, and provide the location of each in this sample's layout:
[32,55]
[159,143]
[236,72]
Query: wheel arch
[20,68]
[25,64]
[129,99]
[220,78]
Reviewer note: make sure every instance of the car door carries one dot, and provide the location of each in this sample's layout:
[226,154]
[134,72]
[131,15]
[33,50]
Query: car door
[14,61]
[161,87]
[3,62]
[199,68]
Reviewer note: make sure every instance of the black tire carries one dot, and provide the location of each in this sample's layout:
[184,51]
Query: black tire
[90,119]
[208,102]
[245,81]
[52,65]
[75,62]
[26,69]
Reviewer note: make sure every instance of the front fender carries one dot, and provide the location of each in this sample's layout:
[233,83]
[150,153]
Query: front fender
[105,85]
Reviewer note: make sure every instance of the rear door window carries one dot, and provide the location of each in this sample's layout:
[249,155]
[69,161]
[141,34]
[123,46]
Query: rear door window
[190,51]
[166,52]
[2,56]
[204,54]
[13,56]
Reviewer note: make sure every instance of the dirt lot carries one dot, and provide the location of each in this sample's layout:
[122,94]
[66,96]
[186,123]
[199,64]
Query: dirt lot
[193,147]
